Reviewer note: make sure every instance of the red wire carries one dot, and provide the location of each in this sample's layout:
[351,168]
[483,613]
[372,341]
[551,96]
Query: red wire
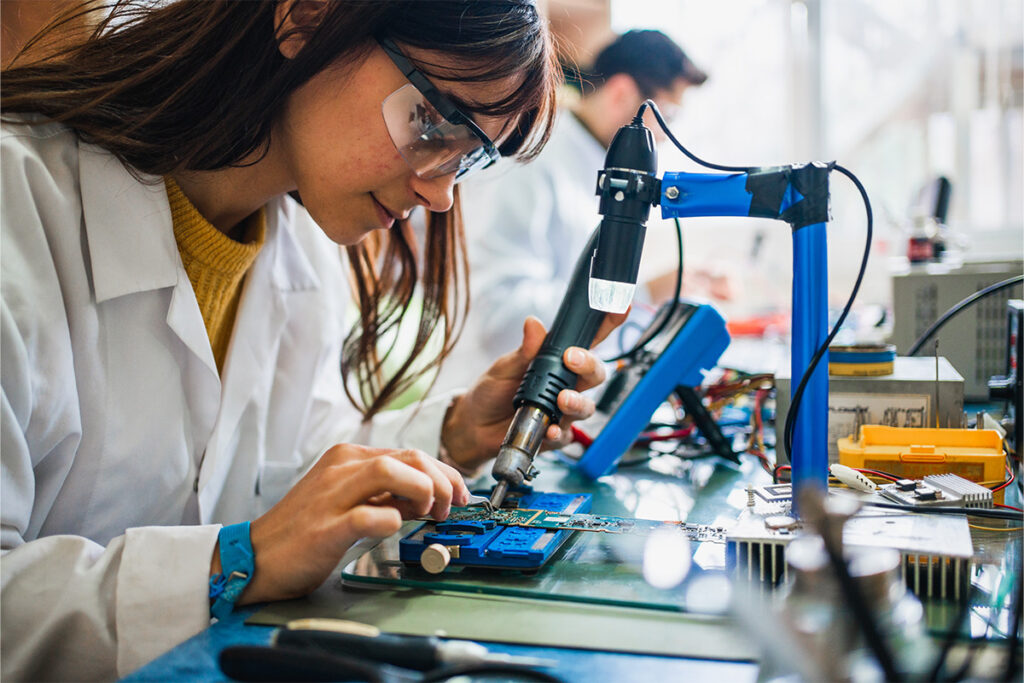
[1010,507]
[760,455]
[581,437]
[883,475]
[1009,480]
[667,436]
[879,473]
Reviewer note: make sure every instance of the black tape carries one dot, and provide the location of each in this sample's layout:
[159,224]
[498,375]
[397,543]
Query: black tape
[811,181]
[768,187]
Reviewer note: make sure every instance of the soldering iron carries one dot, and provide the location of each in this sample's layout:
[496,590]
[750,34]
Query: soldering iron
[603,282]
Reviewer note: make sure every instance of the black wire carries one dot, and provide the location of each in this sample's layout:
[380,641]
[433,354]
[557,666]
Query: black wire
[623,329]
[517,672]
[867,623]
[799,393]
[688,153]
[645,339]
[945,318]
[937,510]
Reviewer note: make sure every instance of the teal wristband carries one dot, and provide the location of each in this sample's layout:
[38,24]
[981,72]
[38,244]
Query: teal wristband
[236,564]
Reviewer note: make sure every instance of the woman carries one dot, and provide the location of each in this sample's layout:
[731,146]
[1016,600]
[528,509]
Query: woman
[172,318]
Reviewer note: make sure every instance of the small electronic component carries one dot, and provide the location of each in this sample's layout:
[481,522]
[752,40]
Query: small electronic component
[947,490]
[776,493]
[918,493]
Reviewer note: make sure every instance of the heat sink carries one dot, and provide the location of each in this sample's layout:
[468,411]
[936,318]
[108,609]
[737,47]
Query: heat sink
[935,551]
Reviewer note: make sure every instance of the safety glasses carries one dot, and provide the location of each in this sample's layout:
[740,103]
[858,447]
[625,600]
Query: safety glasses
[431,134]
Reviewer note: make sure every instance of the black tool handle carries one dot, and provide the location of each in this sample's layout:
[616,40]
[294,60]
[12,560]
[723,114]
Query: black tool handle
[576,324]
[410,652]
[250,663]
[705,423]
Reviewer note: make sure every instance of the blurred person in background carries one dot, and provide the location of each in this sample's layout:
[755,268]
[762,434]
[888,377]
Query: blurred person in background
[529,224]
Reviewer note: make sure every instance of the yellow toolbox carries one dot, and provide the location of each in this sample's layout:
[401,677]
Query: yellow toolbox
[913,453]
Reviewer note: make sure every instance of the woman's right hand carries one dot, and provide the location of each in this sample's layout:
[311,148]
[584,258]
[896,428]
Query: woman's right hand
[352,492]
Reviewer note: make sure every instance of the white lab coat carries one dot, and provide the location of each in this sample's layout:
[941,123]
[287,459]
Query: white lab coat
[526,227]
[123,450]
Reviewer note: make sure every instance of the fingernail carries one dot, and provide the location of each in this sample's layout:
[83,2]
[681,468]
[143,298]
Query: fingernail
[575,356]
[574,401]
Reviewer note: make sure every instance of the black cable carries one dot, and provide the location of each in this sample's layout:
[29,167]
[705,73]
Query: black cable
[799,393]
[646,338]
[688,153]
[516,672]
[945,318]
[938,510]
[623,329]
[868,626]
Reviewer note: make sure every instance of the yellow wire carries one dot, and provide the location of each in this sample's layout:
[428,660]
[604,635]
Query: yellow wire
[992,528]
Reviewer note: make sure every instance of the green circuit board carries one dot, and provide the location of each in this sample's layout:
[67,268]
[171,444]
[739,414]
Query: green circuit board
[545,519]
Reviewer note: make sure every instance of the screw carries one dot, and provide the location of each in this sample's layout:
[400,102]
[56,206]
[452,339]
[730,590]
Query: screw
[672,192]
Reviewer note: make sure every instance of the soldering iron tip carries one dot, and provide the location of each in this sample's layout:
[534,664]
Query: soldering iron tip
[498,495]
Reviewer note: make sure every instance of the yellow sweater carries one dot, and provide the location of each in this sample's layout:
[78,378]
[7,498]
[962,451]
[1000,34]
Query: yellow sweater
[215,263]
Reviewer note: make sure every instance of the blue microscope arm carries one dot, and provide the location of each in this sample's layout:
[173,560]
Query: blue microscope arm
[798,195]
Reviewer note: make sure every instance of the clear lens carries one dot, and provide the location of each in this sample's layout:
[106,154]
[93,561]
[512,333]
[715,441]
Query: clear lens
[609,295]
[429,143]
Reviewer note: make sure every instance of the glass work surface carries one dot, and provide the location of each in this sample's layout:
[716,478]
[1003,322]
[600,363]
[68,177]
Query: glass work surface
[607,568]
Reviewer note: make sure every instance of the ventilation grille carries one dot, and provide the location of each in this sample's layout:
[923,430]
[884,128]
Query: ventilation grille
[763,563]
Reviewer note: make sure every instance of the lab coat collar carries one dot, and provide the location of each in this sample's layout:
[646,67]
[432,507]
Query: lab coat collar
[131,235]
[128,225]
[291,270]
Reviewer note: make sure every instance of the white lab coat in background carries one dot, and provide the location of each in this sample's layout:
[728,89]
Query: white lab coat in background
[123,451]
[526,225]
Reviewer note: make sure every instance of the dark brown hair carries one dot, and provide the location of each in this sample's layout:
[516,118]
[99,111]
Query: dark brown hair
[199,84]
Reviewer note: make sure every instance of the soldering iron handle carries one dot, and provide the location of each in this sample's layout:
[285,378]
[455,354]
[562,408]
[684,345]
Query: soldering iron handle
[576,324]
[410,652]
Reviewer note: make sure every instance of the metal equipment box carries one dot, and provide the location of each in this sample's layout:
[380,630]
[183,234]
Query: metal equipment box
[974,340]
[906,398]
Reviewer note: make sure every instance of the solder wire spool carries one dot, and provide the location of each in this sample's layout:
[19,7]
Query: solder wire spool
[861,360]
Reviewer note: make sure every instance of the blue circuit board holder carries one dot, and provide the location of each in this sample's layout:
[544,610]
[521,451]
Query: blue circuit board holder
[485,543]
[695,349]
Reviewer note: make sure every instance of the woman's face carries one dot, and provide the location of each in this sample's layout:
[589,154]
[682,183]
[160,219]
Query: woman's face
[334,145]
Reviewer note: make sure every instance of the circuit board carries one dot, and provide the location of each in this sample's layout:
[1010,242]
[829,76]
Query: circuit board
[476,538]
[546,519]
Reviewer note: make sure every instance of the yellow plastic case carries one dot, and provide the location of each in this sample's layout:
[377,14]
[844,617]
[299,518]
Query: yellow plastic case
[912,453]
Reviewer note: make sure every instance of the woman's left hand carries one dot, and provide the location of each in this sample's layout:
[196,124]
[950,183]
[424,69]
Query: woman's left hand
[478,420]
